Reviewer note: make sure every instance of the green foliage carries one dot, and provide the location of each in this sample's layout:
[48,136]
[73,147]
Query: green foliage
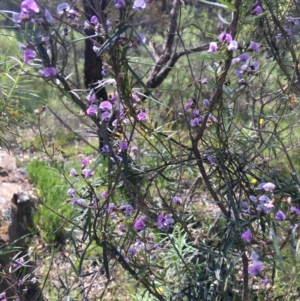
[53,212]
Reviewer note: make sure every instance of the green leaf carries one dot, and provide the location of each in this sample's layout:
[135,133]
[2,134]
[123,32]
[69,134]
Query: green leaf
[112,39]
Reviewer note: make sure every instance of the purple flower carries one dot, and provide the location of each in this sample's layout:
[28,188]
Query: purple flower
[105,106]
[71,192]
[30,6]
[206,102]
[48,16]
[80,202]
[213,47]
[141,116]
[2,295]
[280,216]
[254,66]
[87,173]
[244,57]
[288,31]
[48,72]
[140,223]
[91,98]
[265,281]
[255,269]
[63,8]
[111,207]
[295,210]
[264,199]
[165,222]
[253,199]
[254,46]
[268,186]
[134,149]
[120,3]
[132,251]
[28,55]
[18,263]
[122,228]
[127,208]
[233,45]
[123,145]
[104,71]
[190,104]
[92,110]
[256,9]
[104,194]
[73,172]
[94,20]
[139,5]
[135,97]
[196,121]
[84,163]
[177,200]
[291,20]
[106,116]
[247,236]
[105,149]
[225,37]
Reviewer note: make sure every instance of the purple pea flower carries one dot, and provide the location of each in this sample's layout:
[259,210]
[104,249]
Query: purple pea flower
[63,8]
[139,5]
[177,200]
[165,222]
[123,145]
[233,46]
[94,20]
[196,121]
[80,202]
[111,207]
[247,236]
[254,46]
[213,47]
[268,186]
[18,263]
[140,223]
[206,102]
[71,192]
[255,269]
[225,37]
[104,71]
[105,106]
[87,173]
[295,210]
[280,216]
[104,194]
[2,295]
[84,163]
[30,6]
[106,116]
[105,149]
[29,55]
[190,104]
[141,116]
[256,9]
[73,173]
[244,57]
[127,208]
[48,16]
[92,110]
[48,72]
[134,149]
[132,251]
[120,3]
[91,98]
[265,281]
